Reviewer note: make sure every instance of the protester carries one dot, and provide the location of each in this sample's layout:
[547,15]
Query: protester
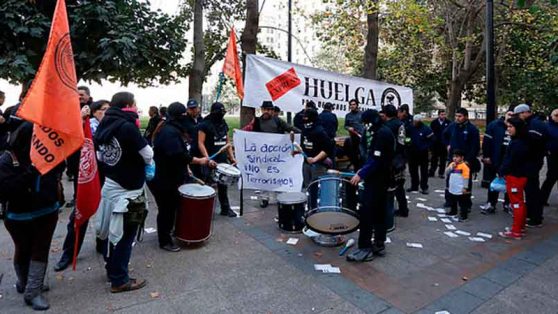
[376,175]
[192,121]
[172,158]
[515,169]
[495,142]
[98,109]
[163,112]
[397,184]
[464,136]
[328,120]
[154,120]
[317,147]
[353,124]
[438,149]
[268,123]
[276,111]
[538,135]
[123,154]
[31,214]
[460,185]
[212,136]
[551,157]
[72,162]
[298,118]
[421,141]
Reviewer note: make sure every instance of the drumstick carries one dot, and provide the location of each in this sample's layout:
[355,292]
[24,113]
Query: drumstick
[355,133]
[292,136]
[341,173]
[350,243]
[200,181]
[222,149]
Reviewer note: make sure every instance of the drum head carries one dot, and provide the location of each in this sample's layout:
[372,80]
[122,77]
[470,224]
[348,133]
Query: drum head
[229,170]
[291,198]
[194,190]
[332,222]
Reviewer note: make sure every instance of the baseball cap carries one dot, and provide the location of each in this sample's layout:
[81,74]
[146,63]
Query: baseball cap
[521,108]
[192,103]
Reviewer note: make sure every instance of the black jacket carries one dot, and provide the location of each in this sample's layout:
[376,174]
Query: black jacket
[495,142]
[538,136]
[151,126]
[515,161]
[380,153]
[438,129]
[463,136]
[314,140]
[329,121]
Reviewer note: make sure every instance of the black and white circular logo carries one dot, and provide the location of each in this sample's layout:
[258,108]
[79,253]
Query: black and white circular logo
[111,153]
[390,96]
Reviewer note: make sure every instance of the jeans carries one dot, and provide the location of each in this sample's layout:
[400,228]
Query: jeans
[119,257]
[419,161]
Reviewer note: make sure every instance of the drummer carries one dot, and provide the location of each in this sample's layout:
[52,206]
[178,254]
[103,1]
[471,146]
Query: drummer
[317,146]
[171,159]
[212,136]
[376,176]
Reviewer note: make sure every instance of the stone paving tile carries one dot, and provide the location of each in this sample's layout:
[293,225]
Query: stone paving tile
[482,288]
[456,302]
[501,276]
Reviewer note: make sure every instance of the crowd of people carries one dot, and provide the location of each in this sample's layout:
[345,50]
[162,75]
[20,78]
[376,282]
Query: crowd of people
[183,146]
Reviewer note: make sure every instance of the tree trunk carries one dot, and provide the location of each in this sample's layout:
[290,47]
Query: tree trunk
[371,49]
[454,97]
[249,41]
[196,77]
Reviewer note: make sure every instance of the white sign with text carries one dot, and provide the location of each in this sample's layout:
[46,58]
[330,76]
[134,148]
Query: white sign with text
[265,161]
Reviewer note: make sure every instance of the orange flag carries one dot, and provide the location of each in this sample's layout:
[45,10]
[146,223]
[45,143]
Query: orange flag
[231,67]
[52,102]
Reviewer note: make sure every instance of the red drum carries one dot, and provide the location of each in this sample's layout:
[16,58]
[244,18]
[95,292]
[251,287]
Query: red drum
[194,216]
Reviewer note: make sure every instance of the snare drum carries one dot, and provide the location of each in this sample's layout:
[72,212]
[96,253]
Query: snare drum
[291,207]
[226,174]
[331,215]
[194,216]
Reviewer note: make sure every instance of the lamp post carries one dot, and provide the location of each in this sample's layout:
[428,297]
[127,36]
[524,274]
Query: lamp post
[490,85]
[289,46]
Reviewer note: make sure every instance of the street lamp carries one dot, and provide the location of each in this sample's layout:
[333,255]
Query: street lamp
[490,86]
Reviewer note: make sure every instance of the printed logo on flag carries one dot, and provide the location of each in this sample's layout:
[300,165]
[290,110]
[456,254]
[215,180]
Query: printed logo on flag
[282,84]
[87,162]
[64,61]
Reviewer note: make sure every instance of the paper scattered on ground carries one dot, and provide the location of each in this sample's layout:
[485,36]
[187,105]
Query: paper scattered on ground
[451,234]
[451,227]
[421,199]
[321,266]
[154,295]
[407,197]
[476,239]
[414,245]
[292,241]
[327,268]
[442,195]
[150,230]
[439,191]
[484,235]
[254,198]
[430,218]
[446,220]
[441,210]
[421,205]
[235,207]
[442,312]
[442,215]
[309,233]
[463,233]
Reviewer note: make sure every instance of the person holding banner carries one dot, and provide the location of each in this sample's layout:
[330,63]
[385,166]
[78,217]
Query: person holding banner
[376,175]
[316,146]
[213,134]
[31,214]
[353,124]
[172,158]
[123,154]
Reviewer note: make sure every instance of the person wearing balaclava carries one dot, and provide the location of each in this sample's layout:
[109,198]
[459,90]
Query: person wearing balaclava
[376,172]
[212,136]
[316,145]
[172,158]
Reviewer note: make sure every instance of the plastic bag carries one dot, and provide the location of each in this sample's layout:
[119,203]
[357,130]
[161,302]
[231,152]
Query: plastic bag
[150,171]
[498,185]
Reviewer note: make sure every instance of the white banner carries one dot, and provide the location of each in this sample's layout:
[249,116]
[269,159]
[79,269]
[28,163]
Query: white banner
[265,161]
[291,85]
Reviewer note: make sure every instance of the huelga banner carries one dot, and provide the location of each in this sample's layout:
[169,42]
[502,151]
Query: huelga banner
[291,85]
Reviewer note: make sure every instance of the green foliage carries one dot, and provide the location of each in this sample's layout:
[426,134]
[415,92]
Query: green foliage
[118,40]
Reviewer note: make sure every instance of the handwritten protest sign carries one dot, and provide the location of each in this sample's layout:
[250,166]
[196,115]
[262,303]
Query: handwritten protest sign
[266,163]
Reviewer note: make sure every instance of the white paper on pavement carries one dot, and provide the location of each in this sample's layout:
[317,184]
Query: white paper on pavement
[446,220]
[484,235]
[414,245]
[476,239]
[451,227]
[430,218]
[451,234]
[463,233]
[292,241]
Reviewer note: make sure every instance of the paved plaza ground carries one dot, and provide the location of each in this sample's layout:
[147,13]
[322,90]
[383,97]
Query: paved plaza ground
[247,267]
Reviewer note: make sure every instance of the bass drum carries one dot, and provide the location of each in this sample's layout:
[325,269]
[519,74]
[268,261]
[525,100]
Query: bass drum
[195,214]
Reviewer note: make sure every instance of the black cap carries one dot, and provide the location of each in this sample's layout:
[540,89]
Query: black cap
[217,107]
[192,103]
[311,115]
[276,109]
[267,104]
[176,109]
[310,104]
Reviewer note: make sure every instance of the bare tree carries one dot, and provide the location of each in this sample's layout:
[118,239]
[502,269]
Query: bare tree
[249,40]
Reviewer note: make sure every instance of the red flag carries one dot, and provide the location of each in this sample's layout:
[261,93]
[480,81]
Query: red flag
[52,102]
[89,186]
[231,67]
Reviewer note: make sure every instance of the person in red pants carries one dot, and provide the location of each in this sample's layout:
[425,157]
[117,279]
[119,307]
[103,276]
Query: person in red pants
[515,170]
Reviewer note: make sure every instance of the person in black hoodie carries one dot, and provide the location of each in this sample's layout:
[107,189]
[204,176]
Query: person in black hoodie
[213,134]
[439,157]
[551,157]
[421,139]
[515,168]
[172,158]
[317,146]
[122,153]
[31,213]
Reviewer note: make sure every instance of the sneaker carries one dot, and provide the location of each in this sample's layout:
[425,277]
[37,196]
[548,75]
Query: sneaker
[171,247]
[451,213]
[523,230]
[488,211]
[510,235]
[411,190]
[425,191]
[463,218]
[486,206]
[533,225]
[131,285]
